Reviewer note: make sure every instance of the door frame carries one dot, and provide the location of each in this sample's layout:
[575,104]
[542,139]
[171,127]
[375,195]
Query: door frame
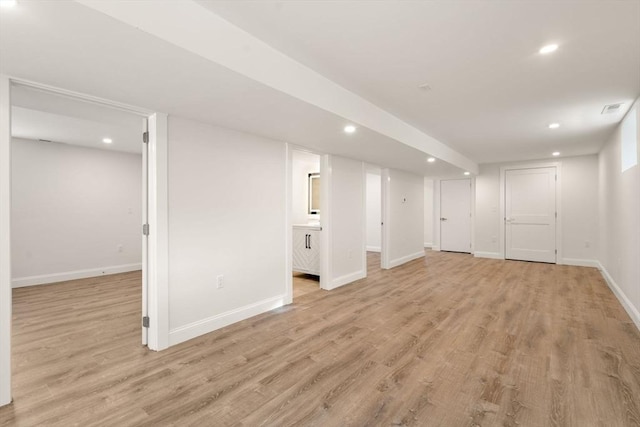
[502,210]
[156,268]
[324,220]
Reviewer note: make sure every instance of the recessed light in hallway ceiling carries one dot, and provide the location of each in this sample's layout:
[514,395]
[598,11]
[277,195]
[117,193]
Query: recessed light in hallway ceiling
[548,49]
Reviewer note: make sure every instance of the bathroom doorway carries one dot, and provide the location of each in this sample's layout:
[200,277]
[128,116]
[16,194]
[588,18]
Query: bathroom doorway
[305,219]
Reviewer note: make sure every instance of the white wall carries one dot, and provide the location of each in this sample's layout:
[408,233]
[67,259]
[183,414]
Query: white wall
[374,211]
[346,239]
[579,211]
[302,165]
[488,218]
[227,216]
[72,209]
[403,216]
[619,249]
[428,212]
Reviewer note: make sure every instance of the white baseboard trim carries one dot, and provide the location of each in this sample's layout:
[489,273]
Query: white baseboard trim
[626,303]
[492,255]
[210,324]
[346,279]
[428,245]
[44,279]
[399,261]
[435,248]
[580,262]
[373,249]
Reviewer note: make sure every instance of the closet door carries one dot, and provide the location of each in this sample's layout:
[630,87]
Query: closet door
[530,214]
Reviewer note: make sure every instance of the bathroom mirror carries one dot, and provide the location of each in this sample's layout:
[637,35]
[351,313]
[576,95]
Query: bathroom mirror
[314,193]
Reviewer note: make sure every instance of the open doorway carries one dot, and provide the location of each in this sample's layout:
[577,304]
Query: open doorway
[78,199]
[305,219]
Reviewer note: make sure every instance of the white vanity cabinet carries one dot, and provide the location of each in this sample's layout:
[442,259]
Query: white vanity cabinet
[306,249]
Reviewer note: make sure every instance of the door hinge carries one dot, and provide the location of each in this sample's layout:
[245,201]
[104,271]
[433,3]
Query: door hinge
[556,215]
[556,177]
[145,322]
[145,137]
[556,252]
[145,229]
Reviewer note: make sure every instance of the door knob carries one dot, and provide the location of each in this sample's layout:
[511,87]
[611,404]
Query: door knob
[443,219]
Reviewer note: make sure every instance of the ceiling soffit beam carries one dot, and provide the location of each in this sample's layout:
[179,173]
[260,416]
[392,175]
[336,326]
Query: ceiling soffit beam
[194,28]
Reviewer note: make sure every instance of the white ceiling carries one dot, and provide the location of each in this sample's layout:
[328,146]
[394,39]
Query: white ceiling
[492,95]
[39,41]
[40,115]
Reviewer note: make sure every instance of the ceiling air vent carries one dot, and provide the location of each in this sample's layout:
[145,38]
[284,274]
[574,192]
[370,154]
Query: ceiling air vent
[612,108]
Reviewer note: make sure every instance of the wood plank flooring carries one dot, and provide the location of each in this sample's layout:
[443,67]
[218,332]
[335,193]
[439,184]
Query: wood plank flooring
[304,283]
[447,341]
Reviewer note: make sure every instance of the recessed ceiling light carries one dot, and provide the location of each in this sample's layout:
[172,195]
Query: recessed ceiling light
[349,128]
[548,49]
[555,153]
[467,173]
[554,125]
[107,140]
[6,4]
[431,159]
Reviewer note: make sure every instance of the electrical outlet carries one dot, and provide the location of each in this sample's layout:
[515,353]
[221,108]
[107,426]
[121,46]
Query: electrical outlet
[350,253]
[220,281]
[120,248]
[587,244]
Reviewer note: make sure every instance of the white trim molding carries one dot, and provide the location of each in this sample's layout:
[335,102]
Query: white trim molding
[326,266]
[373,248]
[45,279]
[428,245]
[346,279]
[210,324]
[490,255]
[403,260]
[624,300]
[579,262]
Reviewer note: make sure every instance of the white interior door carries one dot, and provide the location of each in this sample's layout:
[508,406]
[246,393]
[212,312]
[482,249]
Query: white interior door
[455,215]
[145,239]
[530,214]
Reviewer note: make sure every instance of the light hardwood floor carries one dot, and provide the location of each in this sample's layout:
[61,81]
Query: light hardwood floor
[304,283]
[447,341]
